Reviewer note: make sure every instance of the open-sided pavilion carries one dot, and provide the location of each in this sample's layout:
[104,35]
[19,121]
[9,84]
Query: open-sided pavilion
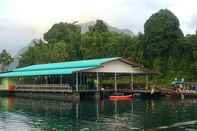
[72,76]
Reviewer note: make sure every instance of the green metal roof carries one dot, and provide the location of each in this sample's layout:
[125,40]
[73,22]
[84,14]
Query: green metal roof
[70,64]
[57,68]
[42,72]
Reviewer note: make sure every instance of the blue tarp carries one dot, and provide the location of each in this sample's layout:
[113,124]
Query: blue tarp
[177,82]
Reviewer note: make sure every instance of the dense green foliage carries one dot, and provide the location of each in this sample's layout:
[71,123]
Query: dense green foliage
[5,58]
[161,32]
[70,44]
[165,48]
[162,47]
[99,27]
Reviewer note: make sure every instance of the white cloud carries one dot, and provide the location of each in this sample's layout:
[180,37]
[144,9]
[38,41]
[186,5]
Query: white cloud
[14,36]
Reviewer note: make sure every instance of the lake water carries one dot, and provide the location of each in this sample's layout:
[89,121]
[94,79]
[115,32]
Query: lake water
[19,114]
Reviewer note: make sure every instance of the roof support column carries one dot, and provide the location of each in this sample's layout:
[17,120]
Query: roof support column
[77,84]
[147,82]
[61,80]
[80,78]
[46,78]
[40,80]
[77,111]
[97,110]
[97,81]
[132,81]
[115,84]
[33,80]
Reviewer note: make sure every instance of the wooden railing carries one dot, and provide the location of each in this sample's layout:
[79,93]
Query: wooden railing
[44,87]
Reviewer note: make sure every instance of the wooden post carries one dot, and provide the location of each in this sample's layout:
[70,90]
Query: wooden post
[61,80]
[77,84]
[77,111]
[115,82]
[46,77]
[147,82]
[97,110]
[132,81]
[33,79]
[116,109]
[41,81]
[97,81]
[80,78]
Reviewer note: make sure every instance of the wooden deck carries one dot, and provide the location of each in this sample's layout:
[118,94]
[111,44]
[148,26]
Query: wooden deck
[120,90]
[62,88]
[173,93]
[43,88]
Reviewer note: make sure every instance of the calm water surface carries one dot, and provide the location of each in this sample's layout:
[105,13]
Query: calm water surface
[19,114]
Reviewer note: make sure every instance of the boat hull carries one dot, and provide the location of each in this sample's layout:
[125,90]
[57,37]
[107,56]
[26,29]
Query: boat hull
[127,97]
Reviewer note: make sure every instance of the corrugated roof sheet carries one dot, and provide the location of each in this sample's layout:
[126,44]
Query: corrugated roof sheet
[70,64]
[42,72]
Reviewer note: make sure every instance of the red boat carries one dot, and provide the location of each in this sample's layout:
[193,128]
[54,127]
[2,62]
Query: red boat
[123,97]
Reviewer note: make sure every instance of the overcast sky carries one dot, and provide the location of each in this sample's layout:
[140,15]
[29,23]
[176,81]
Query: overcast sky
[23,20]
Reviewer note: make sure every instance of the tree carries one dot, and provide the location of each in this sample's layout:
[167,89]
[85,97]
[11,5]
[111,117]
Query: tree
[161,34]
[62,31]
[100,26]
[5,58]
[192,41]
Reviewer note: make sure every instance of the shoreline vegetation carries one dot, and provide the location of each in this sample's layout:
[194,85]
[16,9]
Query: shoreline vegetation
[162,47]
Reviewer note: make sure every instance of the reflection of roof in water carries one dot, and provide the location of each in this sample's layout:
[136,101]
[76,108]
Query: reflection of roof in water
[34,105]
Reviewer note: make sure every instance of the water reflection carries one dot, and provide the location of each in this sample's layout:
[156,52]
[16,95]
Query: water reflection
[163,114]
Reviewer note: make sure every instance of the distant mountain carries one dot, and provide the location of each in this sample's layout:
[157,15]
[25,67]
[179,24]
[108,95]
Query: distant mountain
[15,62]
[85,28]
